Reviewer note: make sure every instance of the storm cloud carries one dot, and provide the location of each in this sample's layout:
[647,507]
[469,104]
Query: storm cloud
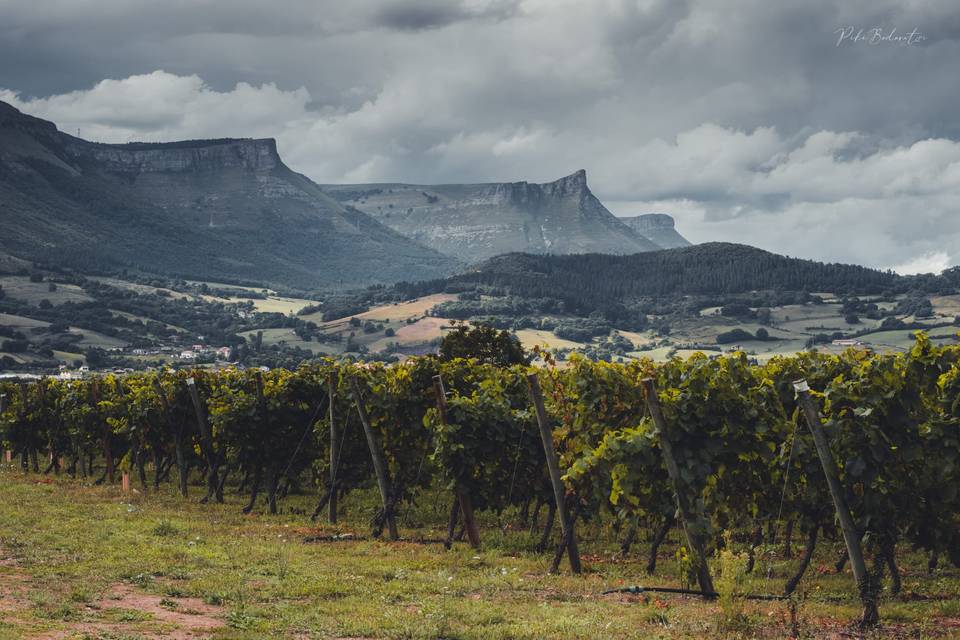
[743,118]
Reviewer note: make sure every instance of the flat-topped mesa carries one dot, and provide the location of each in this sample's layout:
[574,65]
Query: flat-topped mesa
[189,156]
[476,221]
[659,227]
[651,221]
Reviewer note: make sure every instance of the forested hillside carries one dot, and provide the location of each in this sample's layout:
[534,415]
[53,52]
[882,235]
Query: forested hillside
[591,282]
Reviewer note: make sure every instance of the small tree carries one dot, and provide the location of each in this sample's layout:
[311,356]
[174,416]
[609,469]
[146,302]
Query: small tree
[852,318]
[484,343]
[95,357]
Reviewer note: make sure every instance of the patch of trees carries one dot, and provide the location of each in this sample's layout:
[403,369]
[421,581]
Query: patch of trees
[915,305]
[335,309]
[737,310]
[734,335]
[14,346]
[582,329]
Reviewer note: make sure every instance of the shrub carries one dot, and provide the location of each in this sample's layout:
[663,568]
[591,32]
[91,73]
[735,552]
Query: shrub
[732,617]
[165,528]
[14,346]
[734,335]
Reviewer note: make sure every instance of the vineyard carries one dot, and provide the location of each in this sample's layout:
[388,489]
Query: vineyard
[858,448]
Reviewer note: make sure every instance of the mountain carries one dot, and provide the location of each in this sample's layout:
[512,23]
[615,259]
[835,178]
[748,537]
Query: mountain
[226,210]
[658,228]
[477,221]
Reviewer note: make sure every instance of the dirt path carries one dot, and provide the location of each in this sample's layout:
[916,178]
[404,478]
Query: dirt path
[123,610]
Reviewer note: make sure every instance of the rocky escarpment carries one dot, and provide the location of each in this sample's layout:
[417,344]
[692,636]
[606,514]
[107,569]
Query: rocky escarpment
[477,221]
[194,155]
[659,227]
[226,210]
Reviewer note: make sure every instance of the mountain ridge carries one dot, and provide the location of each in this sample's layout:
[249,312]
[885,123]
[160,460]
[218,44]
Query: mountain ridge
[478,221]
[227,209]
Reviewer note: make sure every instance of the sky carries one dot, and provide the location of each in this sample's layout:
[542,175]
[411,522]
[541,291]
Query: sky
[823,129]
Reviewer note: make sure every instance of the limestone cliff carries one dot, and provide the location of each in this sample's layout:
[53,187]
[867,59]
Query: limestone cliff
[659,227]
[224,210]
[477,221]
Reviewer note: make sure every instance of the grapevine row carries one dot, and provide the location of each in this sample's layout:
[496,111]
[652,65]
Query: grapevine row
[742,456]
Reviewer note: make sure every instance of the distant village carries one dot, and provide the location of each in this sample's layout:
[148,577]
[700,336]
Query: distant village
[194,355]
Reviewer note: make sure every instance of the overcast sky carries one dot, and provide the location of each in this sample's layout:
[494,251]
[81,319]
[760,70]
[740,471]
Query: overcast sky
[748,120]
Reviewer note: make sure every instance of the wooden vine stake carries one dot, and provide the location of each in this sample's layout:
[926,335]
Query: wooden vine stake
[177,438]
[104,435]
[377,457]
[851,536]
[690,518]
[135,450]
[206,443]
[463,497]
[559,492]
[7,454]
[334,451]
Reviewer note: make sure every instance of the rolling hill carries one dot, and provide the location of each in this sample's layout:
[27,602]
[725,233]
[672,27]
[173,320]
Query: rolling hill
[582,284]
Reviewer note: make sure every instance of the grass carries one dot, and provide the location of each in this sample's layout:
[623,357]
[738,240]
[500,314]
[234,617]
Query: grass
[288,337]
[71,545]
[20,288]
[279,304]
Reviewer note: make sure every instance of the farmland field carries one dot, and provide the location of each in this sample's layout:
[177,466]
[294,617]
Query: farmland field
[20,288]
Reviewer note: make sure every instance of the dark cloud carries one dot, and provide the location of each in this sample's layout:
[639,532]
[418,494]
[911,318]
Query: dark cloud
[407,15]
[742,116]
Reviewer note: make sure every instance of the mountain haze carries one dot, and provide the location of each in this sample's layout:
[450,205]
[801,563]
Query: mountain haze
[227,210]
[477,221]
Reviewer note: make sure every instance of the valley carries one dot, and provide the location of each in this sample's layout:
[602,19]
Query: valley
[214,252]
[149,330]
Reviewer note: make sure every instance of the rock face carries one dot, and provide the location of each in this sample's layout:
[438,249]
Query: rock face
[477,221]
[659,227]
[204,155]
[222,210]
